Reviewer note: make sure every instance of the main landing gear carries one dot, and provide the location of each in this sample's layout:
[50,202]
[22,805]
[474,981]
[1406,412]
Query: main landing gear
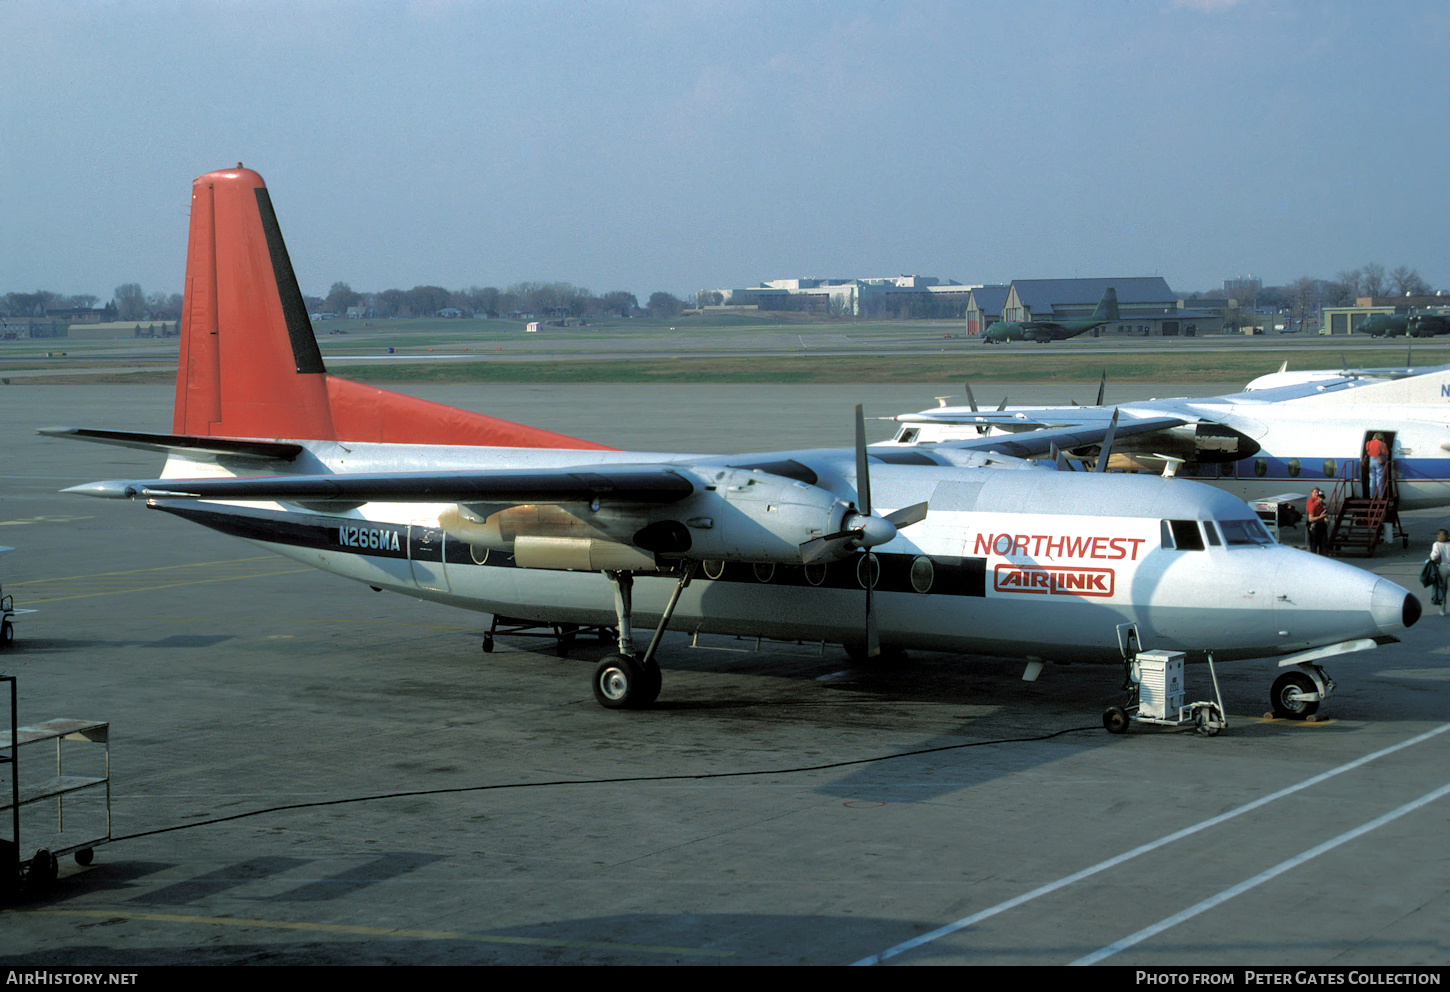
[623,681]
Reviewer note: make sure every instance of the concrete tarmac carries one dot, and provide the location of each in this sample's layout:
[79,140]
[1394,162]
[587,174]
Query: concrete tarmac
[778,806]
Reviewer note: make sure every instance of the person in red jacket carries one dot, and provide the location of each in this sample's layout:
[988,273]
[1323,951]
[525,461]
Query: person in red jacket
[1377,454]
[1316,512]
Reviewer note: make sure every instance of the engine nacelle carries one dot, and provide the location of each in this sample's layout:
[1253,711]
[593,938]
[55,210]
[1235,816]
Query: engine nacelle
[736,515]
[742,515]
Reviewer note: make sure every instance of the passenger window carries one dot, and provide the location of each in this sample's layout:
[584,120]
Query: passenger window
[1186,536]
[1212,532]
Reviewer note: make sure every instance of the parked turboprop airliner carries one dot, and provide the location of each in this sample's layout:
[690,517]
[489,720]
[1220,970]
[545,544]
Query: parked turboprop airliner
[976,553]
[1254,444]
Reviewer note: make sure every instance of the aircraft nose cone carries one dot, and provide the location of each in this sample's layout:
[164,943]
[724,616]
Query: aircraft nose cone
[1392,607]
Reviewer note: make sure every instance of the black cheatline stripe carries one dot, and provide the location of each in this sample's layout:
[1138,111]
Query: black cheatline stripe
[299,327]
[950,576]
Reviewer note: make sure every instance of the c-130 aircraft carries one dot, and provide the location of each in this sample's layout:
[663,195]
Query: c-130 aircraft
[975,553]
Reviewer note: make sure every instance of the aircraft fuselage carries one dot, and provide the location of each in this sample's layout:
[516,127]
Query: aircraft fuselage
[1014,563]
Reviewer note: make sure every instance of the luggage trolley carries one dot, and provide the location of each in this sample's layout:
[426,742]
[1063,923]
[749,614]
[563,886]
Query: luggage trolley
[7,612]
[1156,691]
[41,868]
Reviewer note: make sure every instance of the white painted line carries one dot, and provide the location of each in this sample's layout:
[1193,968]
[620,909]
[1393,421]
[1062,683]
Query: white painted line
[1177,835]
[1261,878]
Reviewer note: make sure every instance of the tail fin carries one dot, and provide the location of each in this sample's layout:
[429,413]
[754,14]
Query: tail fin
[1430,388]
[249,364]
[1107,306]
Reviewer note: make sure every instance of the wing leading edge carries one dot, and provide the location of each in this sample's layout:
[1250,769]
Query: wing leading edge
[1032,444]
[648,484]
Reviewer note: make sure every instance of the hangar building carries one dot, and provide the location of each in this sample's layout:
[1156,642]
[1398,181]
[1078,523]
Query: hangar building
[1146,306]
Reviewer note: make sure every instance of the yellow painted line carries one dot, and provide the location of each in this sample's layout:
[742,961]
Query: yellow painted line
[352,621]
[165,585]
[1318,721]
[228,921]
[159,568]
[112,583]
[40,520]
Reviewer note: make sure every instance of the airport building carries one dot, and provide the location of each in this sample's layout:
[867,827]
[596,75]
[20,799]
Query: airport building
[1347,320]
[1146,306]
[887,296]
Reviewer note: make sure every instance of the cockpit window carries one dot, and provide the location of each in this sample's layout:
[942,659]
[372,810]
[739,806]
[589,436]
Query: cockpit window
[1181,534]
[1240,533]
[1212,532]
[1186,536]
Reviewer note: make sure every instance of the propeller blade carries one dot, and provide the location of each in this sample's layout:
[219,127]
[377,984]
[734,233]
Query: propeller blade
[1409,354]
[971,400]
[1107,443]
[1102,388]
[863,474]
[831,546]
[873,639]
[907,515]
[1063,465]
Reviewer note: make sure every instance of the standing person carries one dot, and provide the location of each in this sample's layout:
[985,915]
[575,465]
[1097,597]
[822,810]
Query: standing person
[1440,555]
[1317,514]
[1377,454]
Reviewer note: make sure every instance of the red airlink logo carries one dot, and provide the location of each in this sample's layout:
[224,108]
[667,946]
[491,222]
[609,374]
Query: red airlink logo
[1047,580]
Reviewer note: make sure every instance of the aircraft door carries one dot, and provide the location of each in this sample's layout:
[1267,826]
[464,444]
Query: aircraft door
[1389,485]
[425,555]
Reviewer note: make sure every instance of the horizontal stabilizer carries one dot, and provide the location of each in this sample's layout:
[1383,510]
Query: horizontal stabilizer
[182,443]
[615,484]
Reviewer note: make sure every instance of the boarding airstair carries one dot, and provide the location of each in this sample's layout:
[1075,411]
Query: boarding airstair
[1359,521]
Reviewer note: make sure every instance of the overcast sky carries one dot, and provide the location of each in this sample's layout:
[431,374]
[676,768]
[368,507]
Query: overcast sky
[685,145]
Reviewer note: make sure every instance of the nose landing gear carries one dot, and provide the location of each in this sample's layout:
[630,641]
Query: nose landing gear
[1297,695]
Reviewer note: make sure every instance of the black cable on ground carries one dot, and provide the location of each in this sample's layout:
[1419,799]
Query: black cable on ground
[601,781]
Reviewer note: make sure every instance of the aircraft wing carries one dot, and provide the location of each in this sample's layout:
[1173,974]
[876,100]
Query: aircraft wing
[1034,443]
[654,484]
[1001,419]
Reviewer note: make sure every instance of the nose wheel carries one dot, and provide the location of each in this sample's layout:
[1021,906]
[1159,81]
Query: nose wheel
[1294,696]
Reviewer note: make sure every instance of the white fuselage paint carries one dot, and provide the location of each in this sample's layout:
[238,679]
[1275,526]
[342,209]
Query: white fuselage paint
[1023,563]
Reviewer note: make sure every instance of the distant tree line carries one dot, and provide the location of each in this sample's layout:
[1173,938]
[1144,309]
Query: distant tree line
[540,299]
[552,300]
[129,303]
[1303,298]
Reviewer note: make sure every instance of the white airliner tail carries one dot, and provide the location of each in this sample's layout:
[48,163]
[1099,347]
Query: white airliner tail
[1430,389]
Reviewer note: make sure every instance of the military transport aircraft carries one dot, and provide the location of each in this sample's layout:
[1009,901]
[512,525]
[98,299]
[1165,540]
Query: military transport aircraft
[1254,444]
[1043,331]
[965,551]
[1416,325]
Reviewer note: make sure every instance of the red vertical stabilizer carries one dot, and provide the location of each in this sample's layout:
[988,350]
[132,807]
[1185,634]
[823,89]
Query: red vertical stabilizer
[249,364]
